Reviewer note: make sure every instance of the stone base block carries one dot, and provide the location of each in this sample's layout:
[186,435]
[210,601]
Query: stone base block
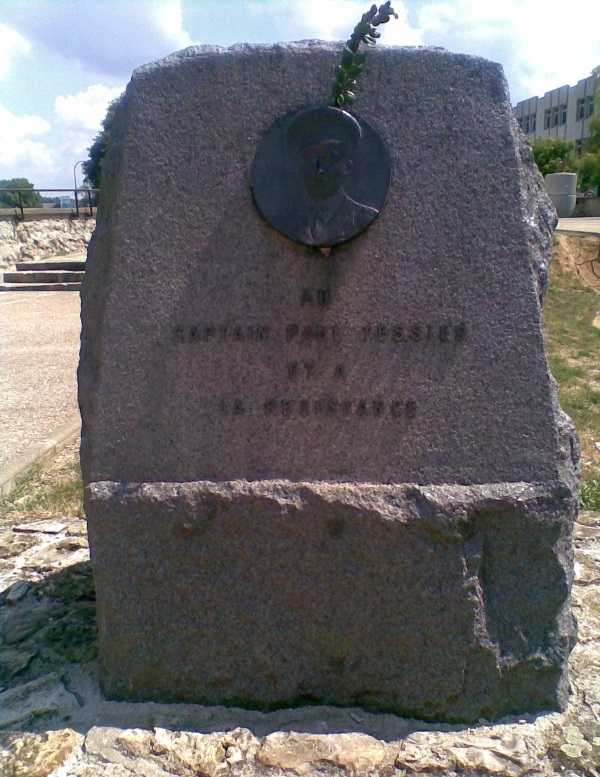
[447,602]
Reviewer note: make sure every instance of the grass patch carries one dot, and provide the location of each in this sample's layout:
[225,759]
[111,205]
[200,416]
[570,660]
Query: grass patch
[55,489]
[573,345]
[590,495]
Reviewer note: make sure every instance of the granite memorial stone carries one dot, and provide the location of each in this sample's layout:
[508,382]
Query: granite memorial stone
[323,455]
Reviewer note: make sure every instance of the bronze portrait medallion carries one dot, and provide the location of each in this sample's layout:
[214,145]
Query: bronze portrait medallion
[320,176]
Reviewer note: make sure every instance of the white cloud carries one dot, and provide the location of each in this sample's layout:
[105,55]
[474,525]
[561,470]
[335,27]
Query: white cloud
[86,109]
[112,37]
[31,148]
[527,39]
[329,20]
[398,32]
[16,145]
[168,16]
[12,44]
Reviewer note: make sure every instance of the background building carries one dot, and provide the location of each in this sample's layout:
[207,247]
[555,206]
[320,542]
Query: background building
[562,113]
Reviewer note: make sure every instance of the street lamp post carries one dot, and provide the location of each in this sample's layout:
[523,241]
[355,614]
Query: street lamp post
[80,162]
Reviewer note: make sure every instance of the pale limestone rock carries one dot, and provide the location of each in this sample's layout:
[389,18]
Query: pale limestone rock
[72,543]
[33,240]
[163,752]
[45,695]
[240,745]
[37,755]
[16,592]
[102,742]
[480,753]
[587,598]
[185,753]
[55,556]
[301,753]
[44,527]
[85,769]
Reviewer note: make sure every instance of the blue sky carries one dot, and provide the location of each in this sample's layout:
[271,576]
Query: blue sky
[62,61]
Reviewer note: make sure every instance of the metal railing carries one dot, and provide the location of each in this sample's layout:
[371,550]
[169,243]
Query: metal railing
[82,208]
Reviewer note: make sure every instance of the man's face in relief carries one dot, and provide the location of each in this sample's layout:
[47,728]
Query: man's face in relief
[325,166]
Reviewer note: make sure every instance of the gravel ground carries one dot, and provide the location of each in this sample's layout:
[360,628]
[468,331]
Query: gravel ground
[39,349]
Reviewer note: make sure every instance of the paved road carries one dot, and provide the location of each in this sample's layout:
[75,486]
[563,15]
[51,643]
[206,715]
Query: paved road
[591,225]
[39,349]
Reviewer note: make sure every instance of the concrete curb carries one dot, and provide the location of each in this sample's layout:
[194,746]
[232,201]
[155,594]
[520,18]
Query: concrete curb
[576,232]
[35,454]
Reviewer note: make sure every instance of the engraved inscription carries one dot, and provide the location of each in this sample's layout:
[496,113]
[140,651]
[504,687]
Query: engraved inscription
[321,334]
[315,297]
[396,409]
[335,406]
[304,369]
[417,332]
[312,333]
[208,333]
[308,369]
[306,343]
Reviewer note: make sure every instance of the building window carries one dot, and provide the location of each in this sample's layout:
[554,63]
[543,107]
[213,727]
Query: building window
[563,114]
[578,147]
[533,122]
[555,116]
[589,108]
[585,107]
[547,118]
[526,125]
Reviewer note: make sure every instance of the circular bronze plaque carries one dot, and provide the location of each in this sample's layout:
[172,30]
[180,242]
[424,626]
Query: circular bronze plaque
[320,176]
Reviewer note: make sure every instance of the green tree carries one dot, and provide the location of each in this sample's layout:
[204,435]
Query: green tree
[92,167]
[29,198]
[588,171]
[553,155]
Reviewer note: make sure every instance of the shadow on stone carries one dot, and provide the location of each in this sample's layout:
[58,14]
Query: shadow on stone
[54,621]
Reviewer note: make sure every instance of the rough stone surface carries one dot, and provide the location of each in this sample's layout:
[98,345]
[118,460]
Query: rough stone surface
[12,662]
[37,755]
[286,593]
[36,239]
[16,592]
[251,407]
[300,753]
[34,699]
[457,243]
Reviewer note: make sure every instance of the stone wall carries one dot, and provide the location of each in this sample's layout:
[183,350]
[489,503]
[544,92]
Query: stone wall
[40,238]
